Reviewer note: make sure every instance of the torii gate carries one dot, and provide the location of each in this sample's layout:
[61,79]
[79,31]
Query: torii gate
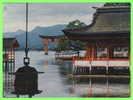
[47,39]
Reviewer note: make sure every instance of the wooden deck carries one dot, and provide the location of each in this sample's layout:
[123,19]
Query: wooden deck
[97,76]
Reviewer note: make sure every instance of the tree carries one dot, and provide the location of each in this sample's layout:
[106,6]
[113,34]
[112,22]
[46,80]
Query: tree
[63,44]
[66,44]
[76,24]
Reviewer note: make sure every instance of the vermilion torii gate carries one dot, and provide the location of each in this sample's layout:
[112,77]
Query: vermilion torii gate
[48,39]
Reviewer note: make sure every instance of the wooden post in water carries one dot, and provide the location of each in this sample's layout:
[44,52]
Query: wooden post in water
[107,86]
[107,67]
[72,90]
[129,92]
[90,68]
[90,94]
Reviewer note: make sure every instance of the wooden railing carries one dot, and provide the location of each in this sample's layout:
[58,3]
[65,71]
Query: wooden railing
[97,62]
[66,54]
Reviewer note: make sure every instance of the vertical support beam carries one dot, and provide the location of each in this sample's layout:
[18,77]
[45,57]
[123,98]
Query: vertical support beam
[107,68]
[107,86]
[109,55]
[88,51]
[129,91]
[109,52]
[90,88]
[46,46]
[5,69]
[72,89]
[92,55]
[129,52]
[8,69]
[90,68]
[93,51]
[13,68]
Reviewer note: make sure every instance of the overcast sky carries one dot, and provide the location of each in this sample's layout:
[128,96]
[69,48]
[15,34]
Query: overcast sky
[46,14]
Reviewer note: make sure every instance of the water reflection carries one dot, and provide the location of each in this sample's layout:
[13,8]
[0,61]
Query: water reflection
[45,65]
[56,83]
[95,87]
[92,88]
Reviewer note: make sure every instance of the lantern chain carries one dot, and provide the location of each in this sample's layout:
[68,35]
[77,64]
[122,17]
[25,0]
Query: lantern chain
[26,58]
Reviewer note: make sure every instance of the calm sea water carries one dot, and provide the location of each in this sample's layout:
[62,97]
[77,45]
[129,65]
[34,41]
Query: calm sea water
[55,83]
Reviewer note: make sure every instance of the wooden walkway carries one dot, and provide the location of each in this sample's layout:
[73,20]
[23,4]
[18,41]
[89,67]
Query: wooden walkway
[65,55]
[97,76]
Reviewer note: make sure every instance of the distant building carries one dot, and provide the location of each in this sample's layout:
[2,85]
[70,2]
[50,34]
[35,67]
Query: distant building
[9,45]
[48,39]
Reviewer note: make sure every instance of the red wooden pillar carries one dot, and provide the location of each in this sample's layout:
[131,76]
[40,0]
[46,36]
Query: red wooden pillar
[94,51]
[46,46]
[88,51]
[91,51]
[109,52]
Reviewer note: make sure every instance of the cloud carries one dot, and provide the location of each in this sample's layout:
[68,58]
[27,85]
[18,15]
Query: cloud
[46,14]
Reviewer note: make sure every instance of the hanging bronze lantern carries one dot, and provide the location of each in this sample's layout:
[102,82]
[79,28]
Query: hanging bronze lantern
[26,80]
[26,77]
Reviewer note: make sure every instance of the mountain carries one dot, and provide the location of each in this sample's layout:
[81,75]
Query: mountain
[34,41]
[14,34]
